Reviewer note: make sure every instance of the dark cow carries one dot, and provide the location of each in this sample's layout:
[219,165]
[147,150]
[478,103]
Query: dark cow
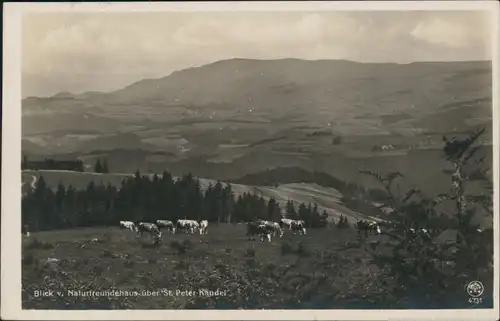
[168,225]
[255,228]
[151,228]
[298,226]
[368,226]
[274,226]
[25,230]
[252,229]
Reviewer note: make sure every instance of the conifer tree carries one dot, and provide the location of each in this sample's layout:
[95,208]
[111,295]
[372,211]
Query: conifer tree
[105,168]
[290,210]
[98,166]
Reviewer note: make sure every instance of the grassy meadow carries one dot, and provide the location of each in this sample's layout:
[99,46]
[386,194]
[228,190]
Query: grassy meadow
[326,268]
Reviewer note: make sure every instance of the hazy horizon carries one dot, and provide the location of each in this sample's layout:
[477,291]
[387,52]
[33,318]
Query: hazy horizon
[243,58]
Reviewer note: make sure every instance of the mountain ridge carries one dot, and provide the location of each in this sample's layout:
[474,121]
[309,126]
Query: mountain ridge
[93,92]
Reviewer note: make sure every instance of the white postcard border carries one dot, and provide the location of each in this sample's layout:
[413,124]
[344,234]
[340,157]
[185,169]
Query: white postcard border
[11,160]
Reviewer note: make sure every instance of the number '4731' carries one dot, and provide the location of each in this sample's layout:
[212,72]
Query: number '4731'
[475,300]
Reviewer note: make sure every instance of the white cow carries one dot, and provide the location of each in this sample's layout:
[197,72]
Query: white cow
[128,226]
[188,226]
[286,222]
[421,232]
[387,147]
[277,228]
[169,225]
[274,226]
[203,227]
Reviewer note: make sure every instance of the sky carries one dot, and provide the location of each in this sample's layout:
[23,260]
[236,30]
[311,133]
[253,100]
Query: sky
[79,52]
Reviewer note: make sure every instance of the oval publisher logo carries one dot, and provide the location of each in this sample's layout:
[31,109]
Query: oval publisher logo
[475,289]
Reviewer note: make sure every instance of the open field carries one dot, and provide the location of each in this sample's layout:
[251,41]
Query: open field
[326,268]
[422,168]
[330,272]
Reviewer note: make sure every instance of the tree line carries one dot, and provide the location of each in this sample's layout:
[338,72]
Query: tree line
[101,167]
[148,198]
[51,164]
[68,165]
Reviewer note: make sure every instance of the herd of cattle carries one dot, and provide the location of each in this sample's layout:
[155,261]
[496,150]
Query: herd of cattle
[375,228]
[264,229]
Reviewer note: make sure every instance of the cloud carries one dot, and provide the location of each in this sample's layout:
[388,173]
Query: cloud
[442,32]
[128,46]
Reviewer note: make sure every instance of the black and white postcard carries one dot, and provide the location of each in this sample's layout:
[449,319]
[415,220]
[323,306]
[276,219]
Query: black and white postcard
[250,160]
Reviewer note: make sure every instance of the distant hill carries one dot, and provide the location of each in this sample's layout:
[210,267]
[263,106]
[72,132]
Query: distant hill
[287,175]
[240,116]
[320,91]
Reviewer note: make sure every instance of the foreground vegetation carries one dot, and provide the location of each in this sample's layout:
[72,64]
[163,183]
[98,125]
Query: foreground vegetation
[327,268]
[428,268]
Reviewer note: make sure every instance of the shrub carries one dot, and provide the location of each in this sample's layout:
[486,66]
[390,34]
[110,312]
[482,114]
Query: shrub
[343,223]
[129,263]
[181,265]
[181,248]
[286,248]
[425,269]
[249,253]
[187,244]
[36,244]
[28,259]
[150,245]
[106,253]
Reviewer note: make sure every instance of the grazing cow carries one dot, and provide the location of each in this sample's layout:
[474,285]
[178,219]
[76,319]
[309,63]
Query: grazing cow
[274,226]
[277,228]
[128,226]
[387,147]
[253,229]
[188,226]
[420,232]
[168,225]
[204,227]
[25,230]
[286,222]
[150,228]
[368,226]
[264,230]
[299,226]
